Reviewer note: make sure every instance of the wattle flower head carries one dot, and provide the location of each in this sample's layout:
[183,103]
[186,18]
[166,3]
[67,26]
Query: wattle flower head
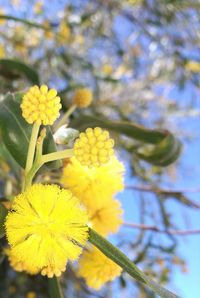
[46,228]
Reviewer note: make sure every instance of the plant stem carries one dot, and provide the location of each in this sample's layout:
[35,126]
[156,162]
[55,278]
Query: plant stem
[121,259]
[31,148]
[65,117]
[54,288]
[57,155]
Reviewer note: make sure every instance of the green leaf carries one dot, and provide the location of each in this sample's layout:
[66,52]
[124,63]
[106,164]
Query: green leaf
[3,213]
[127,265]
[54,288]
[159,147]
[16,132]
[162,154]
[7,157]
[10,67]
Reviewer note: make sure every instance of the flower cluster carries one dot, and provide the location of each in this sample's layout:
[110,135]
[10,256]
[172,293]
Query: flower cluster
[48,226]
[41,105]
[95,185]
[94,147]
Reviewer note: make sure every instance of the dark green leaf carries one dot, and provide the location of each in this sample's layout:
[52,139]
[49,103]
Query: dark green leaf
[3,213]
[127,265]
[9,67]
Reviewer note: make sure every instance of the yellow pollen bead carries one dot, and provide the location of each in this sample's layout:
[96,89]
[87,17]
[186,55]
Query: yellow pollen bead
[93,147]
[40,105]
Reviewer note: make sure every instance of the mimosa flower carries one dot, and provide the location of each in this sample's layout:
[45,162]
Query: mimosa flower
[46,228]
[97,269]
[94,147]
[18,265]
[104,217]
[41,105]
[83,97]
[97,183]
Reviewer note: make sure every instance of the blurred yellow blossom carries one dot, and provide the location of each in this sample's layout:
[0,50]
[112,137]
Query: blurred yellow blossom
[97,269]
[193,66]
[2,51]
[83,97]
[96,183]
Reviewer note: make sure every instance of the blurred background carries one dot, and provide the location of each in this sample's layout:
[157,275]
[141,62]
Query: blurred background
[141,58]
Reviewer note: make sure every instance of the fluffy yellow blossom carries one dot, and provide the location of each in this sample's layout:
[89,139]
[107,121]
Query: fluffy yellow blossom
[2,51]
[31,294]
[104,217]
[97,269]
[46,228]
[41,105]
[18,265]
[83,97]
[64,33]
[94,147]
[38,7]
[2,21]
[96,183]
[107,69]
[193,66]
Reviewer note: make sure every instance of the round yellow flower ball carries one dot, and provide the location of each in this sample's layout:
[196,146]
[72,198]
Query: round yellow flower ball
[40,105]
[83,97]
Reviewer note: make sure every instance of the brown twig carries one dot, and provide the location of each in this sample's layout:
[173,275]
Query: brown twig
[177,194]
[158,230]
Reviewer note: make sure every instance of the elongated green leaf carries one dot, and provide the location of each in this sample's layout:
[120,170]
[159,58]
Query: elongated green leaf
[16,132]
[3,213]
[162,154]
[121,259]
[54,288]
[129,129]
[7,157]
[10,67]
[158,147]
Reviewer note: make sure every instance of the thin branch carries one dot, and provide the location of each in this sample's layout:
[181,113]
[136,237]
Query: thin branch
[158,230]
[161,191]
[177,194]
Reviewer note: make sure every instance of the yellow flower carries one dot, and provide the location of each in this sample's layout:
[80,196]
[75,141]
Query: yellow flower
[2,51]
[107,69]
[94,147]
[83,97]
[2,21]
[97,269]
[64,33]
[18,265]
[31,294]
[104,217]
[91,184]
[193,66]
[41,105]
[45,228]
[38,7]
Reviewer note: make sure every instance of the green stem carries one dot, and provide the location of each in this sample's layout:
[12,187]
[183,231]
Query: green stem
[42,159]
[31,148]
[121,259]
[65,117]
[54,288]
[57,155]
